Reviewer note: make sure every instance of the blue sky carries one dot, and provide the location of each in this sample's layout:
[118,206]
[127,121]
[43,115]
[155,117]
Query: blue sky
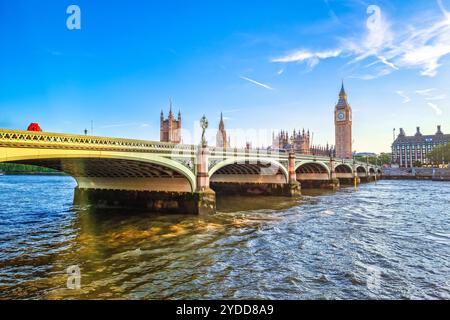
[266,64]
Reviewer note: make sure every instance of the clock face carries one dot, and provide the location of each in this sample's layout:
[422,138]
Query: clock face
[341,115]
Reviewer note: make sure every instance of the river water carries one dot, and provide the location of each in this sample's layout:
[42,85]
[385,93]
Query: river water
[389,239]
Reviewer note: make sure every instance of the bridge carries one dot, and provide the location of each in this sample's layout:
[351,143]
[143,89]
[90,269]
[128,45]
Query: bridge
[178,178]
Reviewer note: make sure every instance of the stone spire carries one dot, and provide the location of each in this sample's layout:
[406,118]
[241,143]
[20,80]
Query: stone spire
[222,140]
[221,124]
[343,93]
[342,103]
[170,105]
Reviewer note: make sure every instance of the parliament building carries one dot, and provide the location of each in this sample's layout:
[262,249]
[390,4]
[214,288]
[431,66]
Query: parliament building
[170,128]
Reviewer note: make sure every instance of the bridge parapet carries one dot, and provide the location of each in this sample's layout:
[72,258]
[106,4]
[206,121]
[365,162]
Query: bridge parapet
[24,139]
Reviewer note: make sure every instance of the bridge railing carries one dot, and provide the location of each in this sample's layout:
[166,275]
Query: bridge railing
[242,152]
[11,138]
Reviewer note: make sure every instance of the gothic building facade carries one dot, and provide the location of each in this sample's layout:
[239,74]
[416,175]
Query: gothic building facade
[170,128]
[343,126]
[222,140]
[300,142]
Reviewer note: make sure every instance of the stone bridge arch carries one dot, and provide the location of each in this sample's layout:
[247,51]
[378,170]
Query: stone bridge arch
[312,171]
[249,170]
[113,170]
[343,168]
[344,172]
[361,171]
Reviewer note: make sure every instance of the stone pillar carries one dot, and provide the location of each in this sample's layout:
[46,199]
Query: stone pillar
[334,181]
[291,168]
[202,168]
[368,176]
[355,174]
[332,169]
[294,185]
[205,196]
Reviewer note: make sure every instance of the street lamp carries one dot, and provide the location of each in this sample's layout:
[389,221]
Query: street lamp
[204,125]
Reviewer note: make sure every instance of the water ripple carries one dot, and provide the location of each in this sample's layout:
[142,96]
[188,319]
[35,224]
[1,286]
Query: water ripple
[387,240]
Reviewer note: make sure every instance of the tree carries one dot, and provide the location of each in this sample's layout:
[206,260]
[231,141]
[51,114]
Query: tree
[23,168]
[382,159]
[440,154]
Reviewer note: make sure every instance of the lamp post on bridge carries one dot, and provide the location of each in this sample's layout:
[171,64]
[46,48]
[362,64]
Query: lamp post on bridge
[205,196]
[204,125]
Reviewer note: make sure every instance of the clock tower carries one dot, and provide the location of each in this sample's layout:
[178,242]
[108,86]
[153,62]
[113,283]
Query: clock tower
[343,125]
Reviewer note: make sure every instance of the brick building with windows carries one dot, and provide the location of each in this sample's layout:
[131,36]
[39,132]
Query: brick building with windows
[408,150]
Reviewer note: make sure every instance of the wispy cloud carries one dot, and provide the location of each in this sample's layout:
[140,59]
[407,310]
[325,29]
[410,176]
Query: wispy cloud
[435,108]
[402,94]
[257,83]
[331,12]
[386,46]
[444,11]
[419,45]
[387,63]
[438,97]
[426,92]
[310,57]
[431,94]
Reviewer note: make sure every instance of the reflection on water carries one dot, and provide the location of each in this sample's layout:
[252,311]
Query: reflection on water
[388,240]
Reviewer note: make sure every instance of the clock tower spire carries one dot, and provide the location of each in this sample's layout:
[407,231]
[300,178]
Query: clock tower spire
[343,125]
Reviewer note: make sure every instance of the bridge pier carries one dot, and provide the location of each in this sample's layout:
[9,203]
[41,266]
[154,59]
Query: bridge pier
[367,179]
[294,188]
[260,189]
[334,182]
[158,202]
[205,196]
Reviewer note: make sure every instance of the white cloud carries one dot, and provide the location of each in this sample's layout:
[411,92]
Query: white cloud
[435,108]
[438,97]
[372,76]
[402,94]
[430,94]
[420,43]
[444,11]
[414,46]
[426,92]
[310,57]
[386,62]
[257,83]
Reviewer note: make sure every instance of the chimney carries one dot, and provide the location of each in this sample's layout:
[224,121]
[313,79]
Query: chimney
[418,132]
[402,132]
[439,130]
